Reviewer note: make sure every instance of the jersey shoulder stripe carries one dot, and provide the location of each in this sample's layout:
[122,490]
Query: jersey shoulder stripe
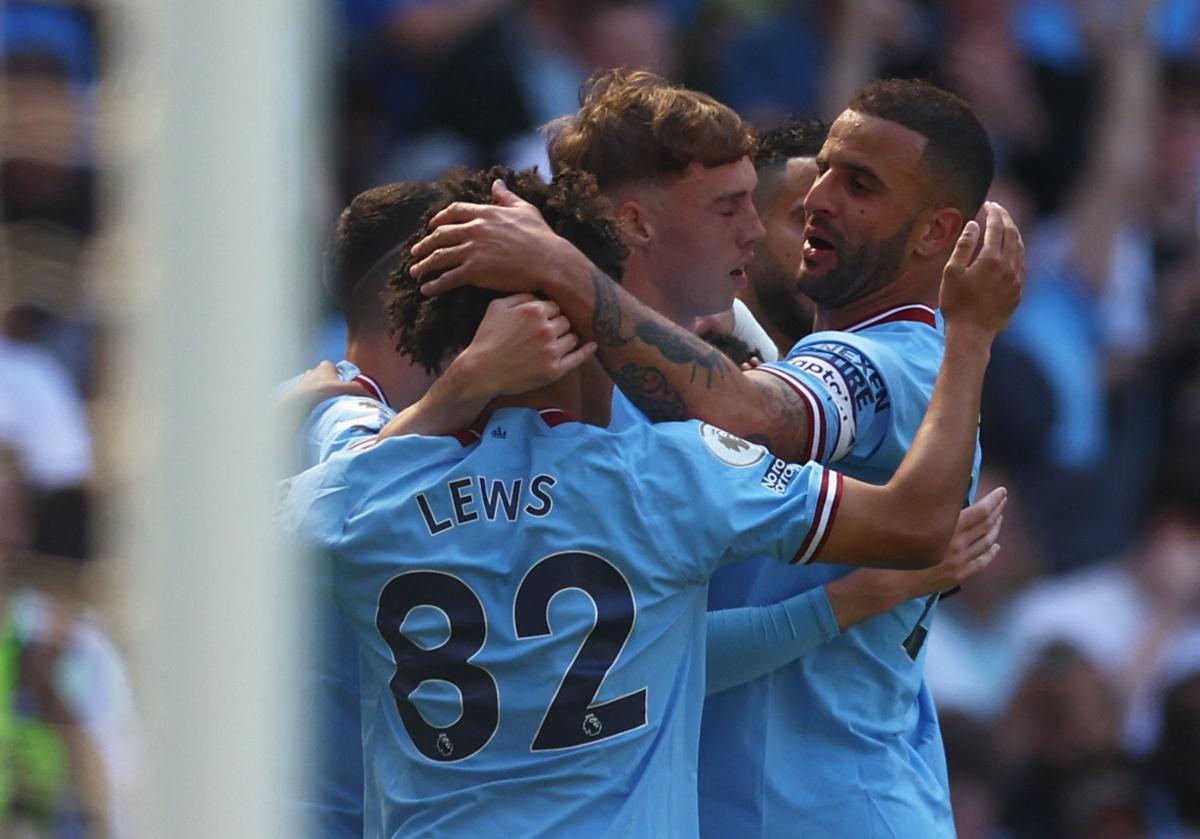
[827,504]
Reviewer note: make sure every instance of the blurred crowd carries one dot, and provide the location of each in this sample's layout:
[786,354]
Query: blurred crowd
[1067,675]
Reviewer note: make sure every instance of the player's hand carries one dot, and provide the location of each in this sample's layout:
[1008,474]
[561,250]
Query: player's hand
[505,246]
[315,386]
[981,291]
[872,591]
[523,343]
[972,547]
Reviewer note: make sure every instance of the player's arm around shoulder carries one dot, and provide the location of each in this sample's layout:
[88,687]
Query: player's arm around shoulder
[666,371]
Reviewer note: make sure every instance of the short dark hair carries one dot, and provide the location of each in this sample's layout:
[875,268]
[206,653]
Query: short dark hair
[365,247]
[958,155]
[428,329]
[780,143]
[633,125]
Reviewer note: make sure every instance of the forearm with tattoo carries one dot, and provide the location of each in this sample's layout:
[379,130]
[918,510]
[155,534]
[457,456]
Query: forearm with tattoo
[649,387]
[671,374]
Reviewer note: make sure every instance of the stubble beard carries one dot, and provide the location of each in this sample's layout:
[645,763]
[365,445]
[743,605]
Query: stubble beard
[859,271]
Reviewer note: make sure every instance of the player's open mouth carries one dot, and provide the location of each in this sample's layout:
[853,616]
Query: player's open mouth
[739,276]
[819,251]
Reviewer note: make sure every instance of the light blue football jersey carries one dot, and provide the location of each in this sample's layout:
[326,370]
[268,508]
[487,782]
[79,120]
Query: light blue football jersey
[843,741]
[531,611]
[342,420]
[330,804]
[624,412]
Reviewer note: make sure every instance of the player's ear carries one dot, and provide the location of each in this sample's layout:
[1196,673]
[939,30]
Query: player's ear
[938,230]
[636,222]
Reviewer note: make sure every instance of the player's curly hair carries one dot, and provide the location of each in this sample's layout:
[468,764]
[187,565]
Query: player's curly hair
[430,329]
[633,125]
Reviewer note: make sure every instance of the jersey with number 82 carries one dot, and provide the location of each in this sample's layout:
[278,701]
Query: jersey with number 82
[531,609]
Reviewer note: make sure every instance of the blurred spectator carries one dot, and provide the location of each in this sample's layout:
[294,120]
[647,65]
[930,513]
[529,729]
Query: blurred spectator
[48,178]
[67,726]
[976,775]
[1060,725]
[42,421]
[69,740]
[973,654]
[1174,767]
[1084,331]
[1130,616]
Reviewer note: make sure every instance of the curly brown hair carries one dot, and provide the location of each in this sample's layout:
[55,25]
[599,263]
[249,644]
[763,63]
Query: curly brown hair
[429,329]
[633,125]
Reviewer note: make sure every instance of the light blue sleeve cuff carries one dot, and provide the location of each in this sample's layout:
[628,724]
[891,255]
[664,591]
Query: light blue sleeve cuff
[749,642]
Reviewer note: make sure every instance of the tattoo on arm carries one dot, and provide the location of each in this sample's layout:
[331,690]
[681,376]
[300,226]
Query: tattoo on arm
[684,349]
[649,389]
[784,419]
[606,317]
[785,416]
[676,345]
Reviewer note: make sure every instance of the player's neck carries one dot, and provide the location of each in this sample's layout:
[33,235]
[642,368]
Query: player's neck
[639,282]
[585,394]
[402,382]
[913,286]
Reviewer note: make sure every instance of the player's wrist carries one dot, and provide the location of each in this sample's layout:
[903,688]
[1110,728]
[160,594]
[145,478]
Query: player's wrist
[972,339]
[566,272]
[466,381]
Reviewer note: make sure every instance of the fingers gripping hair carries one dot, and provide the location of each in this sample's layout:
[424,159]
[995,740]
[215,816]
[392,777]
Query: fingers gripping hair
[430,329]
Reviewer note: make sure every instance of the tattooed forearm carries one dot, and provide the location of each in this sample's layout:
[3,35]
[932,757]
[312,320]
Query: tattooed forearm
[681,347]
[606,316]
[785,422]
[649,389]
[676,345]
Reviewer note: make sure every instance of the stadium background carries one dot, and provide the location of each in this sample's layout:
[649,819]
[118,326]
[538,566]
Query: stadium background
[1067,675]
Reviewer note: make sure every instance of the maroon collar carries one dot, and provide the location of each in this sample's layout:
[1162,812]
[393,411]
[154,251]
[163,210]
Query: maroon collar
[467,437]
[372,387]
[554,417]
[916,312]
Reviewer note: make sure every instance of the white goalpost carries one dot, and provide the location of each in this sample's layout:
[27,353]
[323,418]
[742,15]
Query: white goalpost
[213,126]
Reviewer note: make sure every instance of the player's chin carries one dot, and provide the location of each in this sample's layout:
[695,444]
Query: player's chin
[811,269]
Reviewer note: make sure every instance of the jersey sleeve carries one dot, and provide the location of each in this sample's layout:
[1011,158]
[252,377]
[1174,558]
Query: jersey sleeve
[719,498]
[843,392]
[338,423]
[315,504]
[751,641]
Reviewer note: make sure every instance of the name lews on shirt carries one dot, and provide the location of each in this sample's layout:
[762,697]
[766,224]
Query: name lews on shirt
[471,498]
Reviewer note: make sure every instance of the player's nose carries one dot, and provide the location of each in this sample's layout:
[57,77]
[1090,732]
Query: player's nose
[754,231]
[819,197]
